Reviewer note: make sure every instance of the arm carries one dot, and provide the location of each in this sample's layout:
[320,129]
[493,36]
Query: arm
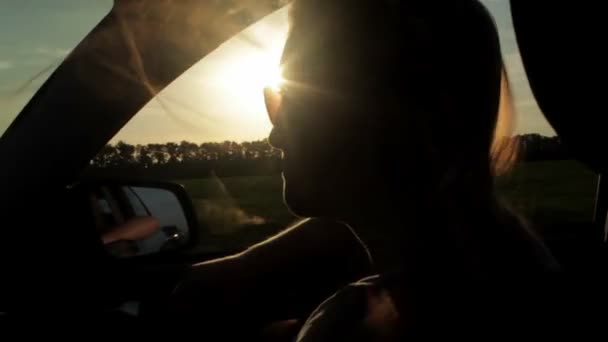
[134,229]
[286,276]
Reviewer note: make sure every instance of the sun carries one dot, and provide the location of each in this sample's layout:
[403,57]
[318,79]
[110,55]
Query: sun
[265,69]
[237,74]
[269,69]
[248,71]
[275,77]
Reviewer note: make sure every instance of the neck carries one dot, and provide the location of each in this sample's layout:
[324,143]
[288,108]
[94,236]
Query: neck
[399,233]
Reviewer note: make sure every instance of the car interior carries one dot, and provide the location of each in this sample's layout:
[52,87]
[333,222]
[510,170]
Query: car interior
[56,205]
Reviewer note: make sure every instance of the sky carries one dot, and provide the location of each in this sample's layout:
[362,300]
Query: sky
[35,36]
[218,99]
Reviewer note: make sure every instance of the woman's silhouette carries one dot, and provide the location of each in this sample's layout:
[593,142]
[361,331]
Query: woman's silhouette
[388,122]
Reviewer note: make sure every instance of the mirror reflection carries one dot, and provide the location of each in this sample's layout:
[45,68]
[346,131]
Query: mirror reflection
[134,220]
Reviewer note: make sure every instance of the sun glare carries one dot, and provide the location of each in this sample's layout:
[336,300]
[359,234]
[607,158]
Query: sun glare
[248,73]
[265,69]
[234,77]
[275,78]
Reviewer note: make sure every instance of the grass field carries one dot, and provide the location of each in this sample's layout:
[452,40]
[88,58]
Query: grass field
[238,211]
[551,192]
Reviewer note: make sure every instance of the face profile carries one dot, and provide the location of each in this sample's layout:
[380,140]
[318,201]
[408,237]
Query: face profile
[366,114]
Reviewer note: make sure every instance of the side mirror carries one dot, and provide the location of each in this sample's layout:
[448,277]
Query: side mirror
[140,218]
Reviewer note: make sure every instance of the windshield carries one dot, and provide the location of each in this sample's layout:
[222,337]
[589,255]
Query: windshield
[35,37]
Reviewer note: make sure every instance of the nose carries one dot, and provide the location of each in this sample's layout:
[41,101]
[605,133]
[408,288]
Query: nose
[273,101]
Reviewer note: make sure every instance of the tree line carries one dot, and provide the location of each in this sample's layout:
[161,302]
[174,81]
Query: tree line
[186,160]
[190,160]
